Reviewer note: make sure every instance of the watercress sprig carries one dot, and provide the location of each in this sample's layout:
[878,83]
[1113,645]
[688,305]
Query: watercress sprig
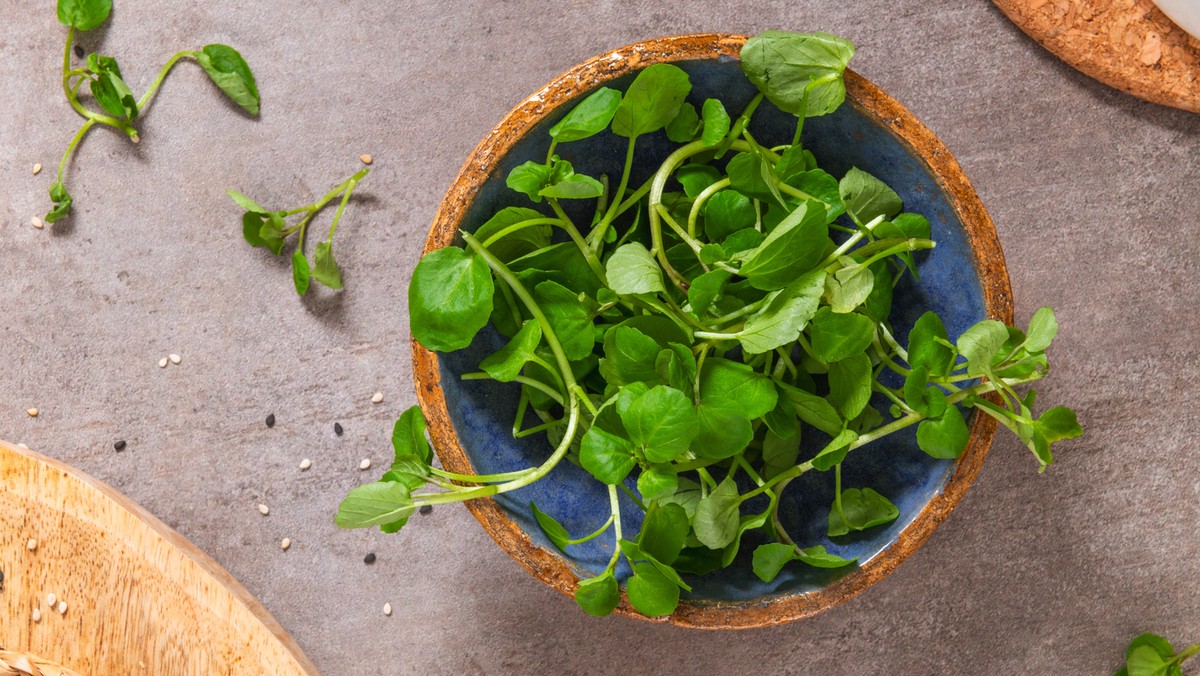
[223,64]
[1152,655]
[269,229]
[680,345]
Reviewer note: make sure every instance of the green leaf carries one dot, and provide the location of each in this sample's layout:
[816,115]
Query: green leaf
[62,202]
[563,263]
[813,409]
[114,95]
[1058,424]
[930,401]
[696,177]
[705,289]
[661,421]
[629,355]
[449,299]
[651,592]
[326,271]
[271,232]
[516,243]
[819,558]
[770,558]
[779,453]
[838,336]
[1042,330]
[84,15]
[408,436]
[658,481]
[925,346]
[753,175]
[981,343]
[529,179]
[944,437]
[834,452]
[785,314]
[684,126]
[606,456]
[716,122]
[687,495]
[652,100]
[570,320]
[800,73]
[677,366]
[252,224]
[867,197]
[849,287]
[721,434]
[850,384]
[717,519]
[863,508]
[569,185]
[793,248]
[300,270]
[1144,660]
[505,364]
[598,595]
[632,270]
[1155,642]
[734,388]
[588,118]
[245,202]
[552,528]
[374,504]
[228,70]
[663,532]
[725,213]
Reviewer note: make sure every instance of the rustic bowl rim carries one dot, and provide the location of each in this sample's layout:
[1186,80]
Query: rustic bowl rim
[867,99]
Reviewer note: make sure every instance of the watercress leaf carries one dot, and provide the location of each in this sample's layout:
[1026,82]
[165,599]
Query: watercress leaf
[705,289]
[711,254]
[114,95]
[1058,424]
[779,453]
[570,320]
[606,456]
[62,202]
[751,174]
[834,452]
[629,356]
[793,248]
[819,558]
[725,213]
[663,532]
[632,270]
[867,197]
[375,504]
[696,177]
[735,388]
[84,15]
[449,298]
[813,409]
[516,243]
[1042,330]
[926,347]
[930,401]
[252,223]
[717,519]
[981,343]
[685,124]
[652,100]
[662,421]
[301,273]
[742,243]
[912,226]
[744,524]
[529,179]
[721,434]
[849,287]
[800,73]
[588,118]
[850,384]
[785,314]
[946,436]
[838,336]
[863,508]
[598,595]
[687,495]
[820,185]
[562,262]
[1145,660]
[878,305]
[573,186]
[229,71]
[716,122]
[650,592]
[326,271]
[271,232]
[551,527]
[245,202]
[408,436]
[770,558]
[657,482]
[680,371]
[505,364]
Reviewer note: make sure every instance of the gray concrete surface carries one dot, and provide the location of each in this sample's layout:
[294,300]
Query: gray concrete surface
[1093,193]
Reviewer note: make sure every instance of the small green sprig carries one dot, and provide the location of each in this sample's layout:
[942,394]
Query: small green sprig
[269,229]
[223,64]
[1152,655]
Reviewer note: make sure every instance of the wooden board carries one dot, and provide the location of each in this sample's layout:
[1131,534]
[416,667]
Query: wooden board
[140,598]
[1127,44]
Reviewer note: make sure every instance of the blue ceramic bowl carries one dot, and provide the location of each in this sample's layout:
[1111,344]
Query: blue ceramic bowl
[963,280]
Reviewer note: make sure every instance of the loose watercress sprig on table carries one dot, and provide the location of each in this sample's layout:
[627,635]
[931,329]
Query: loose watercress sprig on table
[268,229]
[223,64]
[700,326]
[1152,655]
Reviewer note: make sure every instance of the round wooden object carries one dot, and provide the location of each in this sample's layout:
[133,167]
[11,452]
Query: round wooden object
[1127,44]
[140,599]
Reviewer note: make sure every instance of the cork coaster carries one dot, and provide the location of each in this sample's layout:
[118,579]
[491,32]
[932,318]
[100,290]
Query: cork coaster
[1127,44]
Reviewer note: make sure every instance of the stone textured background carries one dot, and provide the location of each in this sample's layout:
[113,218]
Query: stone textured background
[1094,194]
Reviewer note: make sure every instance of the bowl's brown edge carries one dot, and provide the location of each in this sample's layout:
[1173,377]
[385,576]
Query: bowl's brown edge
[866,97]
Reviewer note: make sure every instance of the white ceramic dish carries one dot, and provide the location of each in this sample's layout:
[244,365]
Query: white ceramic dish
[1185,13]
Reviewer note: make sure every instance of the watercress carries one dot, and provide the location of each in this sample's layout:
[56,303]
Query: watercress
[1152,655]
[699,326]
[223,64]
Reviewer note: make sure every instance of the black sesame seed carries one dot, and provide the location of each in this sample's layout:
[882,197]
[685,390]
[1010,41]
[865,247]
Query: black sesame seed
[271,420]
[337,429]
[79,51]
[369,558]
[120,445]
[426,509]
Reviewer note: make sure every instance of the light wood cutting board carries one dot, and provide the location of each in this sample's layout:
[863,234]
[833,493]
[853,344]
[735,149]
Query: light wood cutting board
[140,598]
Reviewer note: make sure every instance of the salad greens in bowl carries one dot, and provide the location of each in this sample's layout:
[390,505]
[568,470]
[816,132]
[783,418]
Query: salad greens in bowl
[711,330]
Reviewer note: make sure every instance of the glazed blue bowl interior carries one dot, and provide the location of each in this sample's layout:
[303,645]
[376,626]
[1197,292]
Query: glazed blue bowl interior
[482,411]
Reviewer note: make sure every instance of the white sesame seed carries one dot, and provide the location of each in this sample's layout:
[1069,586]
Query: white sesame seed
[37,223]
[263,509]
[51,599]
[365,464]
[32,412]
[37,614]
[23,446]
[62,607]
[32,545]
[387,609]
[365,158]
[37,168]
[162,363]
[377,397]
[305,464]
[285,543]
[175,359]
